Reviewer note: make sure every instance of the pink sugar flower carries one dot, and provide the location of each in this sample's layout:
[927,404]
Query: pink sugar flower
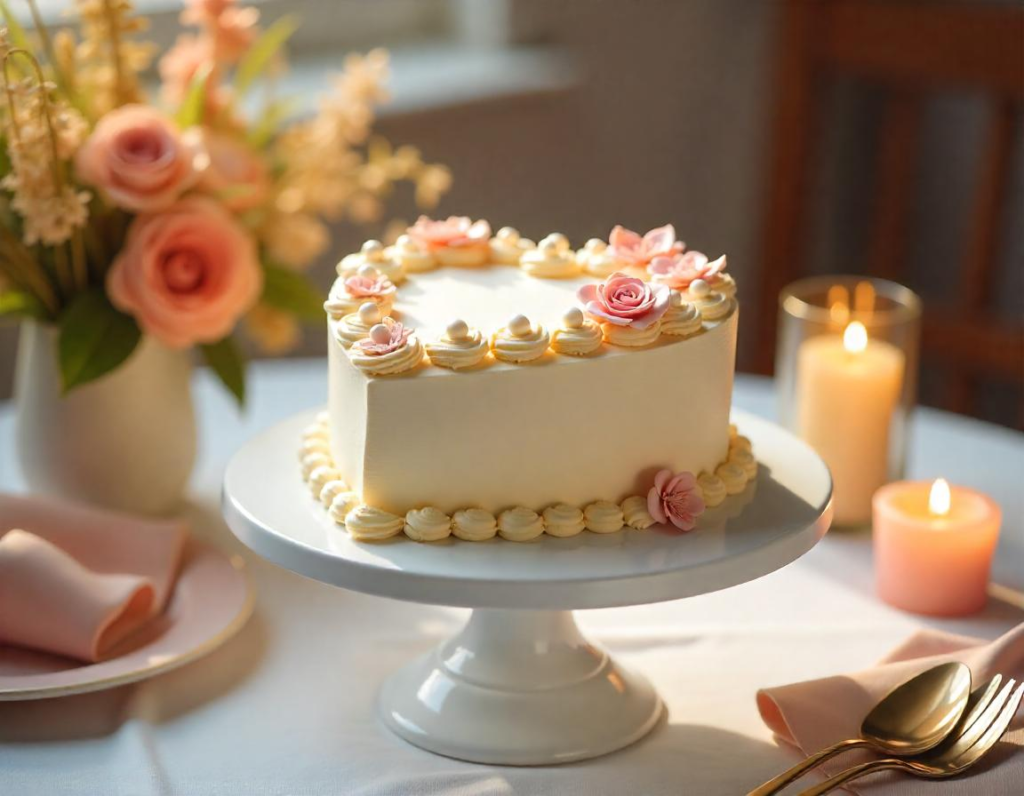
[625,301]
[187,273]
[368,286]
[676,499]
[679,270]
[633,249]
[455,231]
[385,337]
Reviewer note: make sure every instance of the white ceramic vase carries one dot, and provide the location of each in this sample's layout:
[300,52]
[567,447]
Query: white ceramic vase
[126,441]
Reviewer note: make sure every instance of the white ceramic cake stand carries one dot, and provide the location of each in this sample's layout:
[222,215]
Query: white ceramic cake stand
[520,685]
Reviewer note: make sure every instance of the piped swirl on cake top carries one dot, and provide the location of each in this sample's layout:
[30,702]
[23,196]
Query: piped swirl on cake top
[632,291]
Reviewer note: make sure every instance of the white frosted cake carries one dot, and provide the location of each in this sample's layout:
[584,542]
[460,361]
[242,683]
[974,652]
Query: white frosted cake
[484,386]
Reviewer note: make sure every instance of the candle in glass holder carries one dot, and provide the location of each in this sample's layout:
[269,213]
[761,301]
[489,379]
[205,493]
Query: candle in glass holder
[847,389]
[933,547]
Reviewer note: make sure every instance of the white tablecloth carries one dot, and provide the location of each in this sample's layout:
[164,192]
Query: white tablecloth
[287,706]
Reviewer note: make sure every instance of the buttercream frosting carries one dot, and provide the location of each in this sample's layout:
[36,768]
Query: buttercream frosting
[596,260]
[733,476]
[316,430]
[578,336]
[414,258]
[427,524]
[507,246]
[740,442]
[373,254]
[474,525]
[369,524]
[313,460]
[744,459]
[356,325]
[552,259]
[726,285]
[630,336]
[341,504]
[312,445]
[681,319]
[635,513]
[520,341]
[563,520]
[351,292]
[459,347]
[331,490]
[381,355]
[520,524]
[712,488]
[713,305]
[603,516]
[320,476]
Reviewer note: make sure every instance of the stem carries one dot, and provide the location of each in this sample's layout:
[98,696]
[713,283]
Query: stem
[47,42]
[29,273]
[78,260]
[114,32]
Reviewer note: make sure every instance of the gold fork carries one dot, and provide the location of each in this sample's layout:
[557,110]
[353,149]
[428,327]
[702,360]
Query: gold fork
[979,731]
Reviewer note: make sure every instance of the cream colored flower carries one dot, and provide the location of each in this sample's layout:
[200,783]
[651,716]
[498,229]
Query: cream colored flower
[274,332]
[295,240]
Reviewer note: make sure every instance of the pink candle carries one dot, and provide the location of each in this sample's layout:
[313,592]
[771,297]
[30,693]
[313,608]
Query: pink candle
[933,546]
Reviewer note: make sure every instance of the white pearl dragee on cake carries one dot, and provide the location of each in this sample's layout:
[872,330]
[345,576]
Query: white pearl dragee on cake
[635,513]
[474,525]
[713,305]
[603,516]
[578,336]
[595,259]
[519,341]
[563,520]
[460,347]
[413,258]
[428,524]
[520,524]
[682,319]
[356,326]
[507,246]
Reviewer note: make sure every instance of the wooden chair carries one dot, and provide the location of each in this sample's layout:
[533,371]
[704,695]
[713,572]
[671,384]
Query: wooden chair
[910,49]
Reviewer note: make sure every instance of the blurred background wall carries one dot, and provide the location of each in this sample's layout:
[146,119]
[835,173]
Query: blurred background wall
[576,115]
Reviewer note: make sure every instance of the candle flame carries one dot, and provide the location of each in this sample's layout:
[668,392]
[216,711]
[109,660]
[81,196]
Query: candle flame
[939,498]
[855,338]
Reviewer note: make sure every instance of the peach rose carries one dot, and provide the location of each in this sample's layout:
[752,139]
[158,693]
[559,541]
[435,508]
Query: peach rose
[235,174]
[137,157]
[186,274]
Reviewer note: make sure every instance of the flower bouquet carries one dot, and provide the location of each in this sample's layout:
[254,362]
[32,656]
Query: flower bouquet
[183,219]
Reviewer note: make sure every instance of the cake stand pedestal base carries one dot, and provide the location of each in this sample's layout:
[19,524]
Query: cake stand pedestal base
[519,687]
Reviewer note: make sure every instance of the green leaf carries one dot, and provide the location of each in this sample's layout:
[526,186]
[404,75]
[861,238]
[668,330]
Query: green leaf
[291,292]
[262,52]
[94,339]
[226,360]
[270,120]
[21,304]
[192,108]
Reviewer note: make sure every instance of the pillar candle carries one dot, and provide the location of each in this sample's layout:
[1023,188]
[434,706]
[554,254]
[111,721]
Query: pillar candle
[847,388]
[933,547]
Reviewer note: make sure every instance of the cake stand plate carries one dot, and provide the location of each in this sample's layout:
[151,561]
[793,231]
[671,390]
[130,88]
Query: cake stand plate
[520,685]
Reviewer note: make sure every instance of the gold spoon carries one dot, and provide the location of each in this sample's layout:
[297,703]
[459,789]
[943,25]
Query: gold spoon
[912,718]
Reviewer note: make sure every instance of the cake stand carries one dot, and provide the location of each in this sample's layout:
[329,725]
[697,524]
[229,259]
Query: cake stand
[520,685]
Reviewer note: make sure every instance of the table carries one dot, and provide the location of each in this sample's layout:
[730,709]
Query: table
[286,708]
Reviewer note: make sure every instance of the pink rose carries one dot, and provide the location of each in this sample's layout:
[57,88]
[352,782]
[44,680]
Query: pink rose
[679,270]
[676,499]
[186,274]
[369,286]
[385,337]
[625,301]
[138,159]
[235,174]
[631,248]
[455,231]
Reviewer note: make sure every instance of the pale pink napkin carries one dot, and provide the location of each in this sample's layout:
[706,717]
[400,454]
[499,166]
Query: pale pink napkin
[817,713]
[77,580]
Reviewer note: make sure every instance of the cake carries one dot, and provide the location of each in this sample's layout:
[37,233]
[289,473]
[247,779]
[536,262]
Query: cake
[483,385]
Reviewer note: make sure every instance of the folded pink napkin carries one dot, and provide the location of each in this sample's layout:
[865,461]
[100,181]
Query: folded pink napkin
[77,580]
[818,713]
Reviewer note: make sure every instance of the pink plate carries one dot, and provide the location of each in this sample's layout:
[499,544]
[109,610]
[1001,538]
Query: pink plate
[213,598]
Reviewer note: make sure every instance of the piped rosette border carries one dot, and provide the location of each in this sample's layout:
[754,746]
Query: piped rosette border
[673,499]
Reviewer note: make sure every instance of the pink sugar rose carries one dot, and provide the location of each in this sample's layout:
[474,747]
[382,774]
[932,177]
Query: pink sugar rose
[679,270]
[632,248]
[455,231]
[235,174]
[137,157]
[625,301]
[385,337]
[186,274]
[368,286]
[676,499]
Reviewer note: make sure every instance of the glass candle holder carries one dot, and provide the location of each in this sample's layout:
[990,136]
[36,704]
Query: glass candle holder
[846,370]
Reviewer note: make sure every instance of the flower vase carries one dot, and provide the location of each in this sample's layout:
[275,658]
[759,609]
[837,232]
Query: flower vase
[126,441]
